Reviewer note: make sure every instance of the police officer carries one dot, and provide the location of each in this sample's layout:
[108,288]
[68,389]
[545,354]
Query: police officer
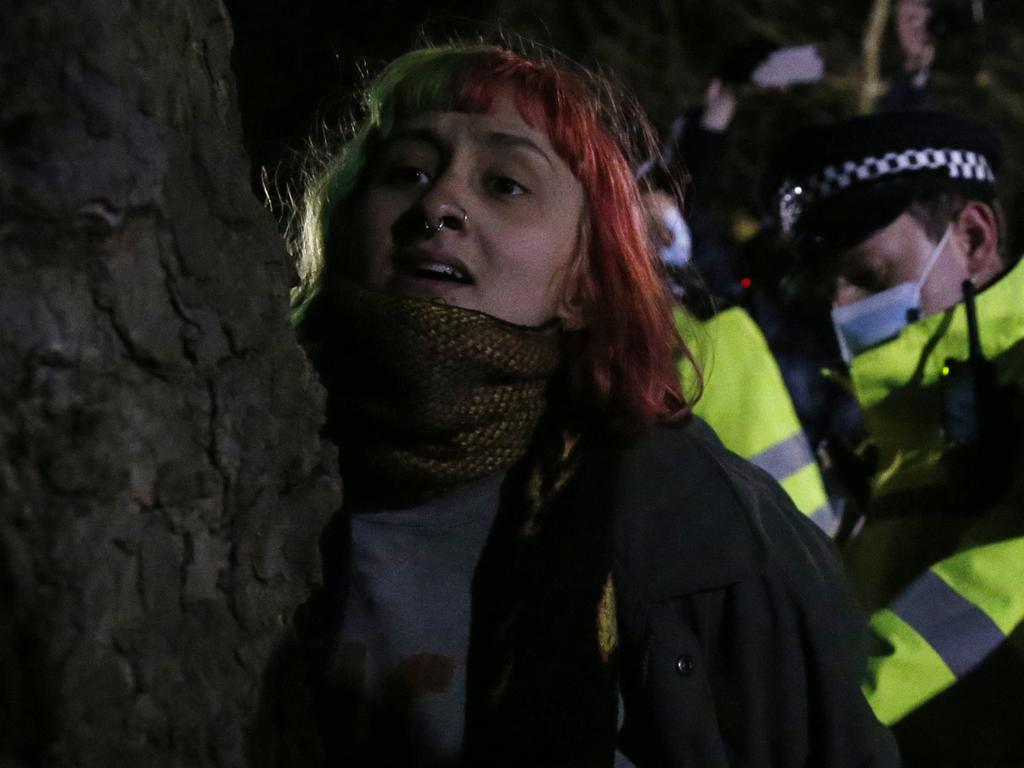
[896,216]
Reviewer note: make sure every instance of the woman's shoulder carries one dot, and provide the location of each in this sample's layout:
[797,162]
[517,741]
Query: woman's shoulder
[706,517]
[715,563]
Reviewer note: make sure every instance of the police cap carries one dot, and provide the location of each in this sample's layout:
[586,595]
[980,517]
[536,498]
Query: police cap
[832,186]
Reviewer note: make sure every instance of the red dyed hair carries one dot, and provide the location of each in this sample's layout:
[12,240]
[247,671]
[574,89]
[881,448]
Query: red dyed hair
[622,360]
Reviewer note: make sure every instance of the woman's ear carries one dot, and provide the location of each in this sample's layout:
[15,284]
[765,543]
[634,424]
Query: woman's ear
[572,306]
[571,313]
[978,227]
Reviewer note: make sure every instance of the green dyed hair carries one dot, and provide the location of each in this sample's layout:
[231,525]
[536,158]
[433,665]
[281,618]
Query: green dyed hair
[419,81]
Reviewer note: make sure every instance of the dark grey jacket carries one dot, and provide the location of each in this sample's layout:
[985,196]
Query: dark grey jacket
[740,643]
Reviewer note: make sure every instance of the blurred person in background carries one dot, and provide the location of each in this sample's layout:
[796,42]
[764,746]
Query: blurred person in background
[748,274]
[696,147]
[744,397]
[921,28]
[895,217]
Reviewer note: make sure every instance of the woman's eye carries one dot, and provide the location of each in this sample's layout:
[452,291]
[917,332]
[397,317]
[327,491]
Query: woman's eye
[407,175]
[504,185]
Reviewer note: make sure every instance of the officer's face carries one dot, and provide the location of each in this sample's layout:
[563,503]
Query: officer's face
[898,254]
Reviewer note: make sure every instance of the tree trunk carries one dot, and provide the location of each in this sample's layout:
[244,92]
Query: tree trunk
[162,482]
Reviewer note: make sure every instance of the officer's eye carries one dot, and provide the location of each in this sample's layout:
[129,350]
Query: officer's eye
[865,274]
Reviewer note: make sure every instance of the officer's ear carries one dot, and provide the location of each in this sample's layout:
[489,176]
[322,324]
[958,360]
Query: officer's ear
[978,226]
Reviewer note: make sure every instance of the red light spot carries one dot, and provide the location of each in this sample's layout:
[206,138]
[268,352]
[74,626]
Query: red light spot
[746,282]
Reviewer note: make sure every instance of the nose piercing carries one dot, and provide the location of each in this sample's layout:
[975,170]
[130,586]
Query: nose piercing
[441,222]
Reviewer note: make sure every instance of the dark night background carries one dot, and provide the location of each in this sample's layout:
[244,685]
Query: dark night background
[298,63]
[163,484]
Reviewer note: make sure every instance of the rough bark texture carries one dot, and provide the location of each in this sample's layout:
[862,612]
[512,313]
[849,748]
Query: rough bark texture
[162,483]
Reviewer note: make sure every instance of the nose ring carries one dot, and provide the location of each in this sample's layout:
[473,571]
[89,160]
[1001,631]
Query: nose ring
[450,219]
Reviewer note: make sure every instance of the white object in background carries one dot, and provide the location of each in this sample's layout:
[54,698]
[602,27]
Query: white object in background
[790,66]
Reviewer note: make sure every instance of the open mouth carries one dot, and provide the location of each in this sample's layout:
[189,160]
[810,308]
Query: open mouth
[432,270]
[440,268]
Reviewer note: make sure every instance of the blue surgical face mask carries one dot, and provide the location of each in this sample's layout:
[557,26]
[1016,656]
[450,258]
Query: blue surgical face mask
[881,316]
[678,252]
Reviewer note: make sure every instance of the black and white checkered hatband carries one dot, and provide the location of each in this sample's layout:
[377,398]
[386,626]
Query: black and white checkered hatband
[795,196]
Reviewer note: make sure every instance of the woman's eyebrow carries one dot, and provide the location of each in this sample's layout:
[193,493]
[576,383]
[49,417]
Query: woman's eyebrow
[423,135]
[514,141]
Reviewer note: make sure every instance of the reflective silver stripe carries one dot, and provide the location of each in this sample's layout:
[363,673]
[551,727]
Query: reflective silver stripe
[786,457]
[960,632]
[826,518]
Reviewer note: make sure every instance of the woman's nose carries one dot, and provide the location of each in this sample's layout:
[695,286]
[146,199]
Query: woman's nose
[451,218]
[440,207]
[444,205]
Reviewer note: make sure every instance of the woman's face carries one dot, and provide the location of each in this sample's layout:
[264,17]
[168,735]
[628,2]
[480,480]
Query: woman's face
[476,210]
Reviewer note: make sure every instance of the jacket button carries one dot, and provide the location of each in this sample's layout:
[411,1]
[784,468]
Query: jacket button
[685,664]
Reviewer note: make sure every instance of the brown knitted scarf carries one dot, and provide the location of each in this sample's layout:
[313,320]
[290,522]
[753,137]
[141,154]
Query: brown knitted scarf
[423,397]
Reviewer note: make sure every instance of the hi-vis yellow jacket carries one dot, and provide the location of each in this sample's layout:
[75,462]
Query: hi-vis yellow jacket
[746,402]
[944,578]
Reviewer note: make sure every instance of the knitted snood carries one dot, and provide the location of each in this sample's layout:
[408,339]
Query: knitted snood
[423,397]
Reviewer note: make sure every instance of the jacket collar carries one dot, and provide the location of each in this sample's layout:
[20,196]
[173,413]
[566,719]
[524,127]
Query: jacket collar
[686,517]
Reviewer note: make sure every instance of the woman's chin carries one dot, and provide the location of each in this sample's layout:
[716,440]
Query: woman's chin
[431,289]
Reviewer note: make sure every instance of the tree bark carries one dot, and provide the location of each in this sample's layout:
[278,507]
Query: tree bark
[162,482]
